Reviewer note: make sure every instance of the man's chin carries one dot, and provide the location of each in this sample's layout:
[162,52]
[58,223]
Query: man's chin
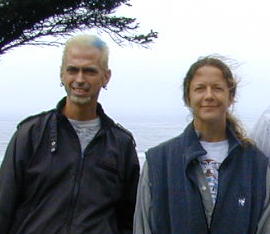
[80,100]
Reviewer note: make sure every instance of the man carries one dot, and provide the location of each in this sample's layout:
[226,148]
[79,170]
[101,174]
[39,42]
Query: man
[261,132]
[71,170]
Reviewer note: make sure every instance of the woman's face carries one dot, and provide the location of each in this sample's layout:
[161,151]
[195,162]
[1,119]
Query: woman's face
[209,96]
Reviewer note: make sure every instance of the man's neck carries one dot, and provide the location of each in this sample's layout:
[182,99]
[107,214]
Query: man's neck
[80,112]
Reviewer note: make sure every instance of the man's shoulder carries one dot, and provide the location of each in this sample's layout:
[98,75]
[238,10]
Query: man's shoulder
[123,132]
[265,115]
[34,119]
[122,129]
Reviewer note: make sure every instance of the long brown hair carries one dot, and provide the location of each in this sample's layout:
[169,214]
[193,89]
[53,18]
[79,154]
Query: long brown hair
[232,84]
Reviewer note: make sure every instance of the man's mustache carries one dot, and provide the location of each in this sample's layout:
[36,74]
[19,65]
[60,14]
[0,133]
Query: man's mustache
[77,85]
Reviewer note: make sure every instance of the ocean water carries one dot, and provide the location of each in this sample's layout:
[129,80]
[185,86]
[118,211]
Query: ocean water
[148,131]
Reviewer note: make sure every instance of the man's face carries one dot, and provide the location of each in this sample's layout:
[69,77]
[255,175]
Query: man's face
[83,75]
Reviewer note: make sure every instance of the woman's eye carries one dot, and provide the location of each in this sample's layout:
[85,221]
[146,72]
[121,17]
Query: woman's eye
[218,88]
[198,88]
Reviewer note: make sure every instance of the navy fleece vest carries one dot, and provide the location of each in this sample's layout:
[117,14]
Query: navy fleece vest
[177,207]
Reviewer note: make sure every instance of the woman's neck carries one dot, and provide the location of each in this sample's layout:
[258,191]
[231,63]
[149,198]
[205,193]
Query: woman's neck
[211,132]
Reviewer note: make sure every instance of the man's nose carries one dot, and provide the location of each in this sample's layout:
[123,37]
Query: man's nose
[80,76]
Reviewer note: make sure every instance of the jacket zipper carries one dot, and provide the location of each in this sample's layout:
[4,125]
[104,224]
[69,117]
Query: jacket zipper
[75,191]
[77,180]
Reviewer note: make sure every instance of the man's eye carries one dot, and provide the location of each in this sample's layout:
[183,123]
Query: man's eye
[90,70]
[72,69]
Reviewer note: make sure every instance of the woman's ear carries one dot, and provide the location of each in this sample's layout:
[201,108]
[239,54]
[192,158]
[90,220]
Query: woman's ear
[187,102]
[232,100]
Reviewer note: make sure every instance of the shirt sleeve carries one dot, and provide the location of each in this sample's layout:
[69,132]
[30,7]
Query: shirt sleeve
[143,204]
[264,223]
[261,133]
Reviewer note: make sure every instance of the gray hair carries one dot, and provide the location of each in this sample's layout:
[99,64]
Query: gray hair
[90,41]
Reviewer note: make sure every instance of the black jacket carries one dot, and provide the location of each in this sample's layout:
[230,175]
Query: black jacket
[177,206]
[46,186]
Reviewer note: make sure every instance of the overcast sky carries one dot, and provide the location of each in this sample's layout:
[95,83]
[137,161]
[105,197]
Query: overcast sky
[149,81]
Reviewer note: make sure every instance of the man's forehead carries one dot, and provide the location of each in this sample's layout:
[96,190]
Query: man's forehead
[82,49]
[87,66]
[83,53]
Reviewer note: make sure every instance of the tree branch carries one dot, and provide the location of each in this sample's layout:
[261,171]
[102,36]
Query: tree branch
[24,22]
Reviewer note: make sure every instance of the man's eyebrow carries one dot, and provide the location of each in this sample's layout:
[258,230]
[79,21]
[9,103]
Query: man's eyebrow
[90,69]
[68,67]
[84,69]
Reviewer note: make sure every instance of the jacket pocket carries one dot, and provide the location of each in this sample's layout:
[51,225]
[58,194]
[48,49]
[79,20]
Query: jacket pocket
[108,165]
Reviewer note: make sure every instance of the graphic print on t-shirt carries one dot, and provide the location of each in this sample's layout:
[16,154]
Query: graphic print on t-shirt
[210,170]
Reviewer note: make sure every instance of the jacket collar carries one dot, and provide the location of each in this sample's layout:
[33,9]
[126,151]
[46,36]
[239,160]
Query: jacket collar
[106,121]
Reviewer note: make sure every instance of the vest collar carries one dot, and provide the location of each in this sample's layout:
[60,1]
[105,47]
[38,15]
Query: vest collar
[194,149]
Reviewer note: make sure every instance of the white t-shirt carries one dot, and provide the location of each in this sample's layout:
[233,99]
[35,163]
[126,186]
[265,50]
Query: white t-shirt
[210,163]
[86,130]
[216,151]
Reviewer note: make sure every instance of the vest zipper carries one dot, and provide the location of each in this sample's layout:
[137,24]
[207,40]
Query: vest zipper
[217,198]
[204,215]
[194,181]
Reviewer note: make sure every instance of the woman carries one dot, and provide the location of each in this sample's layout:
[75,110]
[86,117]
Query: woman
[210,179]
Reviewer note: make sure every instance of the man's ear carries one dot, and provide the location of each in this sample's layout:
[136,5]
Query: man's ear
[61,81]
[107,77]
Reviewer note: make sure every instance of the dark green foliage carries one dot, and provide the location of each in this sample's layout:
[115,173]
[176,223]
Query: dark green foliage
[24,21]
